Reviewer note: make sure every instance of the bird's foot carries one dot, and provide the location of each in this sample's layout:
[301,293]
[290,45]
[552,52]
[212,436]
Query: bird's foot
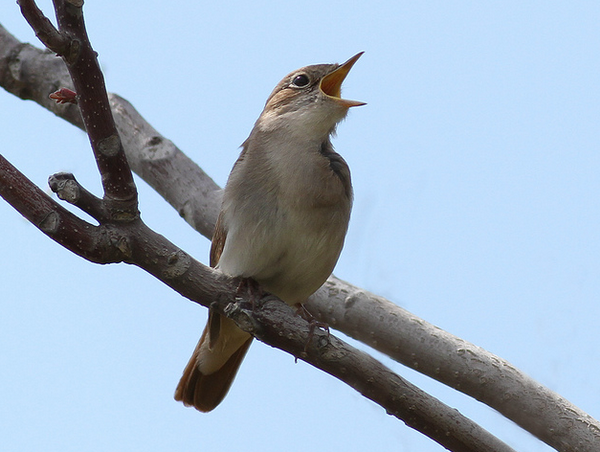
[249,289]
[313,323]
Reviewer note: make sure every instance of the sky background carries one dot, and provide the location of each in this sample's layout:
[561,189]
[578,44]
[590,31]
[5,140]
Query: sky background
[475,166]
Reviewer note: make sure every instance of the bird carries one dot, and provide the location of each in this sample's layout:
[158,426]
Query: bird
[284,216]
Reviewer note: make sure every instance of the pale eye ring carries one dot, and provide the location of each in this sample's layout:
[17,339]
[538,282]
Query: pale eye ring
[300,81]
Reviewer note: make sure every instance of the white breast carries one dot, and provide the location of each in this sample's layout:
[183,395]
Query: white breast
[282,230]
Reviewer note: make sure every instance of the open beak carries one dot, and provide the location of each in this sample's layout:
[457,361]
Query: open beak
[331,84]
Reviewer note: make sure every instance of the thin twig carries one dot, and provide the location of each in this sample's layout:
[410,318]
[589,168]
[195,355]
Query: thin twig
[43,28]
[71,42]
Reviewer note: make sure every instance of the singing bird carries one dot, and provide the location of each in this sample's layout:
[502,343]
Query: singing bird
[283,219]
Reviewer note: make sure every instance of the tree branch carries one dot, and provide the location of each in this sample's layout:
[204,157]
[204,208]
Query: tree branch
[71,42]
[272,322]
[122,236]
[85,240]
[43,28]
[182,183]
[405,337]
[424,347]
[31,74]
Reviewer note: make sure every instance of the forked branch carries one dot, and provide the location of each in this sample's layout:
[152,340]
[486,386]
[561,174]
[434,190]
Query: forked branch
[122,236]
[71,42]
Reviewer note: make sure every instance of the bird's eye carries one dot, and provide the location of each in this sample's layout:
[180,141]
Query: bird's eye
[300,81]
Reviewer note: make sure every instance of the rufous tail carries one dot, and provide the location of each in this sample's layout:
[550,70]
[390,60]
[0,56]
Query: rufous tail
[213,365]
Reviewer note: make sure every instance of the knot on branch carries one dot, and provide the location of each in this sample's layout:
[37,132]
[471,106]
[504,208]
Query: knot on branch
[72,51]
[109,146]
[118,245]
[50,223]
[177,264]
[243,317]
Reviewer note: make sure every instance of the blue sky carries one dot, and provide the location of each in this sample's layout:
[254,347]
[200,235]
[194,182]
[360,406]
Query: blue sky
[476,173]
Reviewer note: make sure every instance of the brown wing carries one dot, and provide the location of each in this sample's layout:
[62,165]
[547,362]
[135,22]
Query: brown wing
[220,233]
[216,249]
[205,392]
[218,241]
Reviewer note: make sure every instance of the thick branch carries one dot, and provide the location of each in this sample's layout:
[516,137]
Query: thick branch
[135,243]
[273,323]
[182,183]
[383,325]
[31,74]
[412,341]
[375,381]
[94,243]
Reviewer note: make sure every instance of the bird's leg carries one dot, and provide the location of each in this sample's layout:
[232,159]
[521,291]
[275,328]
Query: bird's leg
[312,323]
[248,288]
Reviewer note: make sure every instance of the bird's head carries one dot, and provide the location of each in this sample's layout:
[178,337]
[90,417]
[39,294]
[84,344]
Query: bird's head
[308,100]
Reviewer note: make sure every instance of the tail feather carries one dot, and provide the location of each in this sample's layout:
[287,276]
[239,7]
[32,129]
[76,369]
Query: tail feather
[203,390]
